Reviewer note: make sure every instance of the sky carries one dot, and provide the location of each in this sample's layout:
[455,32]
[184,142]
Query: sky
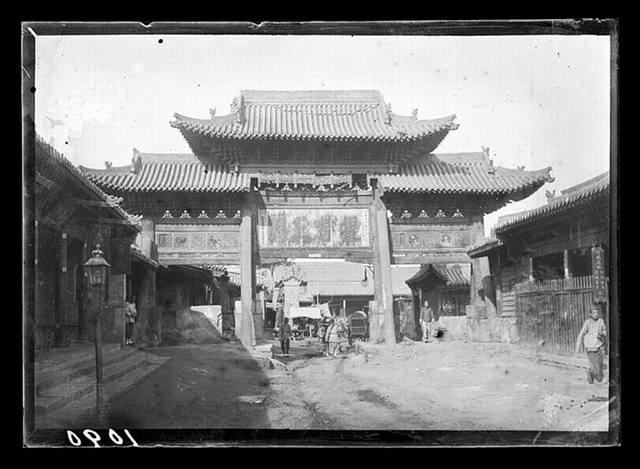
[535,101]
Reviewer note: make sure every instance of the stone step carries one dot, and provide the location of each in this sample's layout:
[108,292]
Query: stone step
[60,358]
[69,415]
[47,377]
[65,393]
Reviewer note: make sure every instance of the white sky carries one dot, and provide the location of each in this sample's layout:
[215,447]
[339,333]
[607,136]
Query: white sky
[535,101]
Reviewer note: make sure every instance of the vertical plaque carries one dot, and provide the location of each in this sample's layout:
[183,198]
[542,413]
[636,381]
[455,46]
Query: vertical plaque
[599,275]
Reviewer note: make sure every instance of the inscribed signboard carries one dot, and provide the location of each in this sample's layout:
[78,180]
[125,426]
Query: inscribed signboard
[316,228]
[599,275]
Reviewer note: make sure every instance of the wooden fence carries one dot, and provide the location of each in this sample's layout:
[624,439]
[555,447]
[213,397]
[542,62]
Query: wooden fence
[551,313]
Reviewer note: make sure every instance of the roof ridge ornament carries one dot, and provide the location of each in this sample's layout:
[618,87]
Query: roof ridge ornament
[185,214]
[136,162]
[112,200]
[167,214]
[135,220]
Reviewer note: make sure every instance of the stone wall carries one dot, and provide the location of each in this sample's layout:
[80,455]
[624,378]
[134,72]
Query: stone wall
[479,329]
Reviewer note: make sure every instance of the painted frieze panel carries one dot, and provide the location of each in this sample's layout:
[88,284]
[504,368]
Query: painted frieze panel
[196,243]
[430,237]
[430,243]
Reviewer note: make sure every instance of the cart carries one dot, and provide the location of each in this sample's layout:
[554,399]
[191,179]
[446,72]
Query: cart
[358,326]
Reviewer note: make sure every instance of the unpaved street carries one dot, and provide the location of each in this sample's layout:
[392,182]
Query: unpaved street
[412,386]
[447,386]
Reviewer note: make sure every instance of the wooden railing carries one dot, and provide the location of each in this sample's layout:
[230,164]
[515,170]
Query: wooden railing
[551,313]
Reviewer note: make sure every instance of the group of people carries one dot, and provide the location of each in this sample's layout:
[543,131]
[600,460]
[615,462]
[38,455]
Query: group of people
[329,334]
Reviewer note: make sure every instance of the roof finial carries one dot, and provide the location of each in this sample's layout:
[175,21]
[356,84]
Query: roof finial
[414,114]
[136,161]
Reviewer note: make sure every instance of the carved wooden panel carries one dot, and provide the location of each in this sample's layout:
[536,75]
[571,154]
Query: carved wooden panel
[197,244]
[430,243]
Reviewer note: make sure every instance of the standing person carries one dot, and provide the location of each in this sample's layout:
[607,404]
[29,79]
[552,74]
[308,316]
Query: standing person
[592,336]
[426,318]
[285,337]
[130,319]
[322,332]
[333,338]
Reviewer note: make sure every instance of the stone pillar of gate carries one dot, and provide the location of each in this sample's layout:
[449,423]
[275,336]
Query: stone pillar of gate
[245,328]
[381,320]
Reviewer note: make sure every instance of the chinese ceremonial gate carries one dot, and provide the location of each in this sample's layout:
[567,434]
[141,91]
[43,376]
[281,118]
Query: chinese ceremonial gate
[315,174]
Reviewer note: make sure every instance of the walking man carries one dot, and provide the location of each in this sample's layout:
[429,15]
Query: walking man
[426,320]
[285,337]
[592,336]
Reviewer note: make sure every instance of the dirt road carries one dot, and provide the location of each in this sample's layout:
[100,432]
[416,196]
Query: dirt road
[413,386]
[448,386]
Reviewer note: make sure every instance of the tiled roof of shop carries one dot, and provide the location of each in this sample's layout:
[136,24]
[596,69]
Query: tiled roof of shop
[456,275]
[169,172]
[461,172]
[48,157]
[340,115]
[568,199]
[483,246]
[441,173]
[346,278]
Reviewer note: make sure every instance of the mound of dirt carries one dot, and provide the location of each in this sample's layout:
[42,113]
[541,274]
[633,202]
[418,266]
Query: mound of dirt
[192,327]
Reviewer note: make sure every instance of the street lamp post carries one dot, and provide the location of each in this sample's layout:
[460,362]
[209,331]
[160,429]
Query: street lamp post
[97,268]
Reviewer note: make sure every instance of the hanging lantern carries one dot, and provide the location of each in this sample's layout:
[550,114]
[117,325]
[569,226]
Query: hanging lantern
[96,267]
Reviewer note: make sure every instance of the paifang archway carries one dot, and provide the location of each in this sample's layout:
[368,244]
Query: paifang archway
[315,174]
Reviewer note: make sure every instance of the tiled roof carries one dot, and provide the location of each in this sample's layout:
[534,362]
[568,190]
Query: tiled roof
[442,173]
[461,172]
[359,115]
[169,172]
[568,199]
[399,276]
[336,278]
[47,156]
[346,278]
[456,275]
[483,246]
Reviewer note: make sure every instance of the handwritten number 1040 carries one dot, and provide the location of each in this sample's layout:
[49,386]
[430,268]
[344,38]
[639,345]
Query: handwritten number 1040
[94,437]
